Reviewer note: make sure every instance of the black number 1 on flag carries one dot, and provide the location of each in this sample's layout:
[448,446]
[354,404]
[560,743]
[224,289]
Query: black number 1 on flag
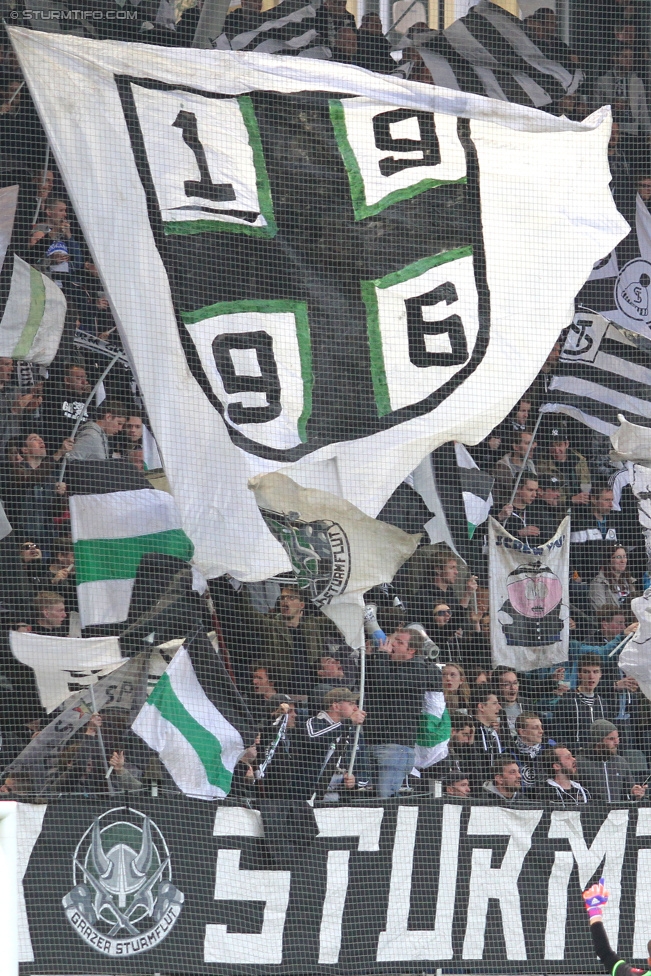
[217,192]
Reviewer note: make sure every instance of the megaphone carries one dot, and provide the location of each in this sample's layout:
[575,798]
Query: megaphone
[371,626]
[430,649]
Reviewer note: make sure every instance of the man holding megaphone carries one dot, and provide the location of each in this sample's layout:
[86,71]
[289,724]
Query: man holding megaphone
[397,678]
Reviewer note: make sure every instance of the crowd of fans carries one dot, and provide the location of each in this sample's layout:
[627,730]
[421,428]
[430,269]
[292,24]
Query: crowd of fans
[569,735]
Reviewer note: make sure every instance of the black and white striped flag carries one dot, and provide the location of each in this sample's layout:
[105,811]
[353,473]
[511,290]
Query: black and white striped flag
[487,51]
[602,372]
[288,28]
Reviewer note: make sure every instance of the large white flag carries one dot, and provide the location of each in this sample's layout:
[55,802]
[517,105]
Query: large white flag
[65,665]
[529,598]
[8,204]
[336,551]
[632,445]
[315,267]
[635,657]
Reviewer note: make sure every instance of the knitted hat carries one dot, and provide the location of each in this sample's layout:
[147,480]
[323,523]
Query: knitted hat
[600,729]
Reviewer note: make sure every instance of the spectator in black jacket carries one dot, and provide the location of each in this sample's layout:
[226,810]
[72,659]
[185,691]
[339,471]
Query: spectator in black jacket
[332,671]
[541,26]
[65,405]
[264,686]
[547,512]
[527,749]
[439,591]
[397,679]
[506,685]
[579,709]
[462,740]
[487,748]
[516,517]
[560,784]
[329,739]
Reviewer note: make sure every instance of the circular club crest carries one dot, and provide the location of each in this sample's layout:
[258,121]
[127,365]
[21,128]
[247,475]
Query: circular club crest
[633,291]
[123,901]
[319,551]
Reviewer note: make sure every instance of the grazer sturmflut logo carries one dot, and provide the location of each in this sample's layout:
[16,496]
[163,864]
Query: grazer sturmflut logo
[319,551]
[123,901]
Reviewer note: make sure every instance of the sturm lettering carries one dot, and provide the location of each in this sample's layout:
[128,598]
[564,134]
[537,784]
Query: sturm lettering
[516,834]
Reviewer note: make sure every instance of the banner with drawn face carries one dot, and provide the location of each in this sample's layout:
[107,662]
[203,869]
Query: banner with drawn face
[529,598]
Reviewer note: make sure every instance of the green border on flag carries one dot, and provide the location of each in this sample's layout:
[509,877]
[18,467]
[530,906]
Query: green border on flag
[262,184]
[273,306]
[369,297]
[35,315]
[356,180]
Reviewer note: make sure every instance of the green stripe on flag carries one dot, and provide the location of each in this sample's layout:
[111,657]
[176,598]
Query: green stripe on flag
[35,316]
[207,747]
[107,559]
[433,730]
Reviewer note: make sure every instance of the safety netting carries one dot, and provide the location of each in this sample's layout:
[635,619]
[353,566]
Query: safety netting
[325,481]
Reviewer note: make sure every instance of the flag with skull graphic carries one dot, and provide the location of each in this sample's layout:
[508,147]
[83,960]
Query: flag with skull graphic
[314,267]
[529,598]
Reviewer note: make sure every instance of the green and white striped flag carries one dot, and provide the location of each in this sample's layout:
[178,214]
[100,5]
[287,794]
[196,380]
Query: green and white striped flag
[197,722]
[111,532]
[34,316]
[433,732]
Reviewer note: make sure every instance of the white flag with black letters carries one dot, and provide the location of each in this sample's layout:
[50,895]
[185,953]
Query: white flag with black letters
[65,665]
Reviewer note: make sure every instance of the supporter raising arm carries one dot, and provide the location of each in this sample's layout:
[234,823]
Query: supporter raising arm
[595,899]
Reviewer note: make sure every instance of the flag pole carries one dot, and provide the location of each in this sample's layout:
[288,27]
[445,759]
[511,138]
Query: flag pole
[100,740]
[40,198]
[526,458]
[358,728]
[271,751]
[621,644]
[81,415]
